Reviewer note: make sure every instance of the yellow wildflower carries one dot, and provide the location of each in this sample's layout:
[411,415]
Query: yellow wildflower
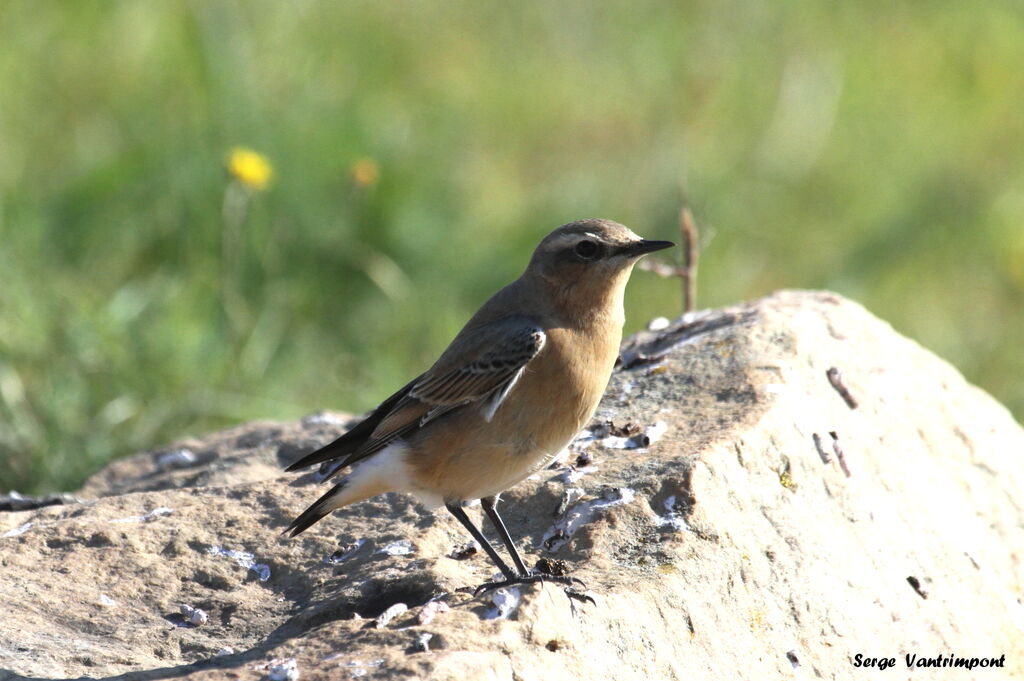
[365,172]
[252,169]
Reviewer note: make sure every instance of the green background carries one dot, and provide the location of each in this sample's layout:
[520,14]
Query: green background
[872,148]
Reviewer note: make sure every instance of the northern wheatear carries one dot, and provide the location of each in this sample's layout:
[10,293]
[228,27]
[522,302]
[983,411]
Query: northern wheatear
[511,391]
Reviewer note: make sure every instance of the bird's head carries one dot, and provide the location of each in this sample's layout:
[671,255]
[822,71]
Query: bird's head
[589,259]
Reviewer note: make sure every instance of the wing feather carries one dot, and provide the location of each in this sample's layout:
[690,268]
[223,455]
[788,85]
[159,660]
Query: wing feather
[480,367]
[492,358]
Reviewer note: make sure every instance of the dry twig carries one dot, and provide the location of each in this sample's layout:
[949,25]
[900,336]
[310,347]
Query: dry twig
[687,272]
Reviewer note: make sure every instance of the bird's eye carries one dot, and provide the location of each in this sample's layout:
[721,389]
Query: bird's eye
[587,250]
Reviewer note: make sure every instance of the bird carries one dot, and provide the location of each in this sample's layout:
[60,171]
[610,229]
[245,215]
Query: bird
[511,391]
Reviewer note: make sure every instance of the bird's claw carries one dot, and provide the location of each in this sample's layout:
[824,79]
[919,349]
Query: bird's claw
[575,595]
[531,579]
[569,582]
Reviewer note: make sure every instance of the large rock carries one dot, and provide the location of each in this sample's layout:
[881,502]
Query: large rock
[734,546]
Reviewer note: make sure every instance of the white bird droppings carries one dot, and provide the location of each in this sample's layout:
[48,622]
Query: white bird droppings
[671,517]
[243,559]
[582,513]
[283,670]
[391,613]
[603,436]
[155,513]
[656,431]
[402,547]
[571,474]
[323,418]
[178,458]
[193,616]
[19,530]
[431,610]
[505,603]
[345,552]
[658,324]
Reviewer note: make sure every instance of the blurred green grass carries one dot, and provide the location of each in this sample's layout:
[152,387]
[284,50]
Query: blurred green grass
[867,148]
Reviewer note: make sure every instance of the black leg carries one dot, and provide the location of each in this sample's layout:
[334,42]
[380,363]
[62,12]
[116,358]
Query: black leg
[511,578]
[489,504]
[456,510]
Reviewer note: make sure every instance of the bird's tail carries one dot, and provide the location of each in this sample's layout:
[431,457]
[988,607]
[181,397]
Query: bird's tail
[342,447]
[369,478]
[323,506]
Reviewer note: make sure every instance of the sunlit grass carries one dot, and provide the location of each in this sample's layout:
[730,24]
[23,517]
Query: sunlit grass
[414,155]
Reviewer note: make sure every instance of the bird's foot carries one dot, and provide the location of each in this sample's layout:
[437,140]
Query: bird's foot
[569,583]
[528,579]
[580,596]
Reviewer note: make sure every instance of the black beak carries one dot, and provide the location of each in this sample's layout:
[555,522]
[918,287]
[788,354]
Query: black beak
[645,246]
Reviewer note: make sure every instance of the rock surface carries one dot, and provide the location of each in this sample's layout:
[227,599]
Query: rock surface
[733,547]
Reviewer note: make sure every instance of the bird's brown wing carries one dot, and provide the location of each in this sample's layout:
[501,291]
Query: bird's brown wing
[479,367]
